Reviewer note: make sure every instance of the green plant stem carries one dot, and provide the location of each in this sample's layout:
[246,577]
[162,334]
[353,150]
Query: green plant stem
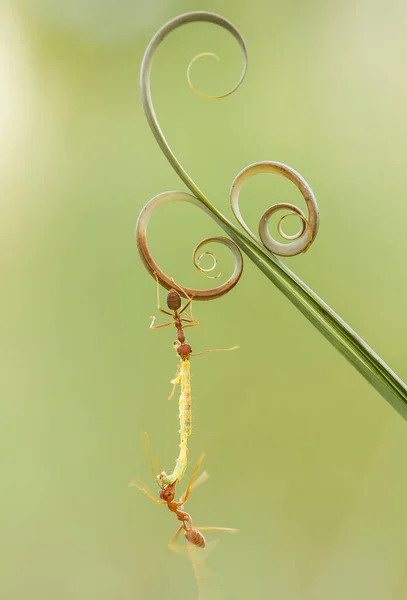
[335,329]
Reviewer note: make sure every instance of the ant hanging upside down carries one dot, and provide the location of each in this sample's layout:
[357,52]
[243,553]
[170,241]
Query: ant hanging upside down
[167,496]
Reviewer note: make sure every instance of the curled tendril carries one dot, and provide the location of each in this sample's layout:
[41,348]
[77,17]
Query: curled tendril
[154,269]
[300,241]
[208,96]
[203,270]
[299,233]
[335,330]
[145,86]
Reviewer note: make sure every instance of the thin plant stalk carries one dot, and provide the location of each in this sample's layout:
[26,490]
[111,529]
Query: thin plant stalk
[334,329]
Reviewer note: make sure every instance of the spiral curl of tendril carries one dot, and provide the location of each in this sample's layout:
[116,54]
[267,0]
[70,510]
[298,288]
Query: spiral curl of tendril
[299,242]
[197,92]
[165,280]
[207,270]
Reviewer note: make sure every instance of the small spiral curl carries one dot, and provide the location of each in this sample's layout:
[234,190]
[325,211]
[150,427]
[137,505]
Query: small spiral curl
[168,282]
[206,270]
[300,241]
[211,96]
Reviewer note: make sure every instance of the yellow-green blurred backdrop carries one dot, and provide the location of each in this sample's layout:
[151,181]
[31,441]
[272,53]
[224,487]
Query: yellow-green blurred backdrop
[304,457]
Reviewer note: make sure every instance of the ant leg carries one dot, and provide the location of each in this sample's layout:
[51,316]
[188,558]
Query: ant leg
[186,306]
[189,298]
[157,462]
[204,476]
[189,318]
[152,326]
[174,539]
[215,350]
[147,493]
[191,481]
[230,529]
[165,311]
[158,297]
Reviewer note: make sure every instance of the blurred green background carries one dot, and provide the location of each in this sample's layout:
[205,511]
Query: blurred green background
[305,458]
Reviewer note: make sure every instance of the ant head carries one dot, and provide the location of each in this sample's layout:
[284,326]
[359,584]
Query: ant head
[184,351]
[173,300]
[168,493]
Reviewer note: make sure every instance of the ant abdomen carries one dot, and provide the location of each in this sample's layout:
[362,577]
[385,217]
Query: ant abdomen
[173,300]
[195,537]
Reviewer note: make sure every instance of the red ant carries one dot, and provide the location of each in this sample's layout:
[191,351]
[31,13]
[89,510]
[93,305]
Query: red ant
[167,494]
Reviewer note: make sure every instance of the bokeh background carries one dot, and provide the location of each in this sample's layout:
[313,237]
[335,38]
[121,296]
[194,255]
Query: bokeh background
[304,457]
